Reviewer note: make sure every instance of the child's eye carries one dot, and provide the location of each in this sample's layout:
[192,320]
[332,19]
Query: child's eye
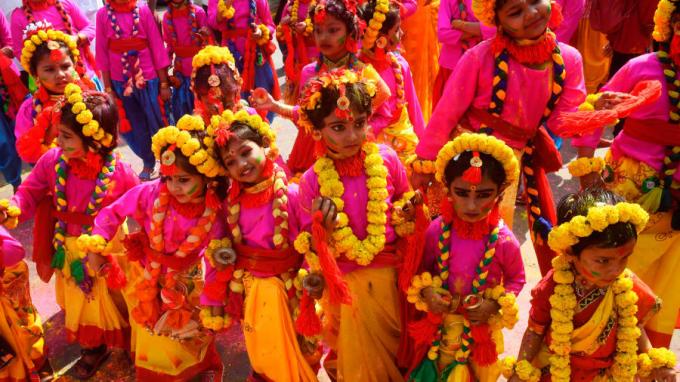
[483,195]
[338,128]
[603,261]
[246,152]
[462,194]
[184,180]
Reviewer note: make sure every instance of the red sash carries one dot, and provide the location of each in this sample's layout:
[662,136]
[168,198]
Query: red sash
[123,45]
[271,261]
[655,131]
[186,51]
[234,33]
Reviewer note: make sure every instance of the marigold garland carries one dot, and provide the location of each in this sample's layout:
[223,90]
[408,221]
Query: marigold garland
[214,323]
[224,12]
[524,370]
[360,251]
[420,166]
[40,33]
[484,11]
[663,30]
[655,358]
[418,284]
[375,24]
[213,246]
[402,226]
[585,166]
[12,213]
[73,94]
[266,34]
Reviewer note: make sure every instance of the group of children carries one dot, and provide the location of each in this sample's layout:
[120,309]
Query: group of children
[332,255]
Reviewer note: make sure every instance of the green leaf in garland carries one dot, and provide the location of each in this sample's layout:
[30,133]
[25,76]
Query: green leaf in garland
[425,372]
[59,258]
[77,271]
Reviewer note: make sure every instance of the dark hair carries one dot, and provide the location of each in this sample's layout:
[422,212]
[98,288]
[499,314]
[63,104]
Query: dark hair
[243,132]
[576,204]
[491,168]
[41,51]
[359,101]
[337,9]
[391,17]
[104,111]
[228,82]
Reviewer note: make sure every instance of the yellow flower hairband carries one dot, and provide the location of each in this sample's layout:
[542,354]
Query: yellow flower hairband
[254,121]
[41,32]
[373,29]
[210,56]
[480,143]
[598,219]
[191,147]
[73,96]
[663,30]
[484,11]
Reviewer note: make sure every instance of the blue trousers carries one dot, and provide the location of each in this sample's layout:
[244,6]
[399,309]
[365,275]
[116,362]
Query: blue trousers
[10,163]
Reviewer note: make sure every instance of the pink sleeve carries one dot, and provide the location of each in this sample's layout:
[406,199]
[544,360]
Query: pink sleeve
[445,33]
[10,248]
[201,17]
[5,34]
[512,265]
[24,122]
[132,204]
[80,21]
[265,16]
[397,172]
[487,32]
[17,25]
[102,44]
[574,91]
[572,11]
[308,192]
[414,111]
[158,52]
[37,185]
[212,16]
[407,8]
[218,231]
[461,87]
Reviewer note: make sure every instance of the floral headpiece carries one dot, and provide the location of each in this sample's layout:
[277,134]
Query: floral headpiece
[73,96]
[220,125]
[210,56]
[41,32]
[337,79]
[598,219]
[170,138]
[376,23]
[663,30]
[477,143]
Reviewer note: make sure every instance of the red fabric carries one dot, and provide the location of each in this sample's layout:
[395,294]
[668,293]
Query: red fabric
[134,244]
[308,322]
[653,130]
[414,250]
[17,90]
[217,289]
[235,305]
[483,348]
[476,230]
[122,45]
[533,54]
[337,288]
[43,233]
[123,8]
[186,51]
[88,167]
[188,210]
[115,277]
[424,331]
[627,23]
[544,254]
[439,84]
[124,123]
[546,154]
[78,218]
[504,127]
[212,361]
[89,336]
[271,261]
[352,166]
[301,157]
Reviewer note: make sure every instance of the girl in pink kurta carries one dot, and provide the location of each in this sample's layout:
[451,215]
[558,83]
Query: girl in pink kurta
[80,177]
[182,25]
[64,15]
[133,60]
[469,255]
[178,219]
[514,92]
[264,218]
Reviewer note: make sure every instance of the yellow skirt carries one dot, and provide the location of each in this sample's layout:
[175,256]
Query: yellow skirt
[91,319]
[595,63]
[20,325]
[400,136]
[451,342]
[365,335]
[269,332]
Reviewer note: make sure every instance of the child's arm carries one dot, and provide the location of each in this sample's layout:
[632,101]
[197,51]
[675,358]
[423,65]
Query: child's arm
[415,113]
[36,186]
[132,203]
[662,374]
[159,54]
[102,47]
[16,26]
[448,12]
[5,37]
[82,26]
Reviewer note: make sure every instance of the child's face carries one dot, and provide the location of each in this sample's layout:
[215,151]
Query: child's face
[473,203]
[394,36]
[185,187]
[71,144]
[330,37]
[601,266]
[344,137]
[54,75]
[524,19]
[244,160]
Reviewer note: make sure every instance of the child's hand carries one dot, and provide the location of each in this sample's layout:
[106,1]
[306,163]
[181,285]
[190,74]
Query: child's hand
[436,303]
[328,210]
[257,33]
[662,374]
[95,261]
[481,313]
[7,51]
[409,208]
[420,181]
[260,99]
[457,24]
[314,284]
[609,100]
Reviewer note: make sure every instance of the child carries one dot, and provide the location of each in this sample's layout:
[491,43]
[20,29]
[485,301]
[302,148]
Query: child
[182,25]
[294,34]
[165,279]
[264,219]
[134,72]
[398,121]
[21,327]
[12,94]
[641,166]
[84,175]
[587,312]
[473,266]
[52,58]
[359,182]
[513,86]
[64,15]
[247,29]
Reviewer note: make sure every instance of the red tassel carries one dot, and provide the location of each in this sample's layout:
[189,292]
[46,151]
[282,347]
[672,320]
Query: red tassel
[473,174]
[216,289]
[483,348]
[307,323]
[235,305]
[556,16]
[123,122]
[413,250]
[424,331]
[134,244]
[337,288]
[115,278]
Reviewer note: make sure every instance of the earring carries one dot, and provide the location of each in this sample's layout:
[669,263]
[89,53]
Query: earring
[316,135]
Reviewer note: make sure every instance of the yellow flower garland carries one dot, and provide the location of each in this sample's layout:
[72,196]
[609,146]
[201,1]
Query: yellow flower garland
[484,11]
[190,146]
[73,95]
[402,226]
[92,244]
[42,32]
[224,12]
[524,370]
[599,217]
[346,242]
[375,24]
[261,127]
[266,34]
[655,359]
[303,245]
[420,166]
[481,143]
[214,323]
[584,166]
[12,213]
[420,282]
[213,55]
[663,30]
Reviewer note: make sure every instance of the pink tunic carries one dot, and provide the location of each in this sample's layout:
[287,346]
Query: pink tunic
[43,177]
[642,68]
[506,268]
[152,58]
[528,92]
[450,38]
[356,198]
[24,121]
[241,18]
[10,249]
[572,11]
[387,113]
[5,34]
[79,24]
[303,9]
[408,8]
[183,33]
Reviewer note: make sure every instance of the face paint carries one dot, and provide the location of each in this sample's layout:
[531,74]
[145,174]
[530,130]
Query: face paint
[342,40]
[193,189]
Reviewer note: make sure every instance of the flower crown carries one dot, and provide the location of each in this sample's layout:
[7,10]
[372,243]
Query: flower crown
[477,143]
[210,56]
[663,30]
[334,79]
[220,125]
[598,219]
[41,32]
[376,23]
[168,139]
[484,11]
[73,96]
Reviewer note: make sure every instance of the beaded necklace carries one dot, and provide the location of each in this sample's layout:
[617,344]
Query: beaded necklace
[133,77]
[169,21]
